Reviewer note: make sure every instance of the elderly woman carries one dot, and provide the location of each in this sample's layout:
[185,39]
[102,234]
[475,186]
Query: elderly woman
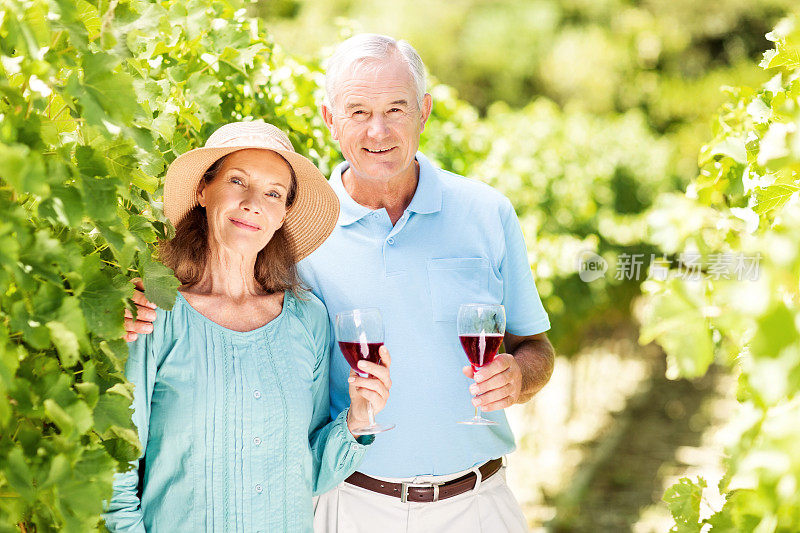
[231,388]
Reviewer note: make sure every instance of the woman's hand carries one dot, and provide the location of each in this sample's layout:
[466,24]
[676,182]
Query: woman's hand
[370,390]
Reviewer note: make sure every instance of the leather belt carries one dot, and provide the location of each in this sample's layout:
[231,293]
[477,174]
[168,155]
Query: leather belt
[427,492]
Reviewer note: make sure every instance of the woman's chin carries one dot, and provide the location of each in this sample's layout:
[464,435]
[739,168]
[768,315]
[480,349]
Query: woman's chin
[244,245]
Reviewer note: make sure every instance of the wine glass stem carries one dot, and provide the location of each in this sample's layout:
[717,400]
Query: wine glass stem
[371,414]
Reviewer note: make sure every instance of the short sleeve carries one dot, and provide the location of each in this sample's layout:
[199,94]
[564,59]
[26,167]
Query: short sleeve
[525,314]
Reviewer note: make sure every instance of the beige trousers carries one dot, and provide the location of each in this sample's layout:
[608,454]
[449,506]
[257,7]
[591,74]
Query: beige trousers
[490,508]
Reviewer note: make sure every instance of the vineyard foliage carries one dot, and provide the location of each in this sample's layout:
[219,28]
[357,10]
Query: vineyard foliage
[95,100]
[745,201]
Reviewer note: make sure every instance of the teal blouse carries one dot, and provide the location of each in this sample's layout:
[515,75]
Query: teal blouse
[236,426]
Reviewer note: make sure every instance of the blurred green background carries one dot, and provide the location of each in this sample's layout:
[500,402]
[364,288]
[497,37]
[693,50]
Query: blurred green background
[666,58]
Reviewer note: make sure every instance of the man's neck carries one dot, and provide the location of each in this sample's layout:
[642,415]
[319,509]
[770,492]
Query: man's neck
[394,194]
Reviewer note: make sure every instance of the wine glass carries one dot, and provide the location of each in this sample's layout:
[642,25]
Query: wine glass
[480,329]
[360,336]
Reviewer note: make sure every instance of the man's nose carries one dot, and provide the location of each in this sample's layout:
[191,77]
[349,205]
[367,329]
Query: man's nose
[377,126]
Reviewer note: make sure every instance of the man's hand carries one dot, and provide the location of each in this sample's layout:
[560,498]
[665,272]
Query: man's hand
[497,385]
[370,390]
[145,314]
[516,378]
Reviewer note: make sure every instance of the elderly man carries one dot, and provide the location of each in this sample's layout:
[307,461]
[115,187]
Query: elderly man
[416,241]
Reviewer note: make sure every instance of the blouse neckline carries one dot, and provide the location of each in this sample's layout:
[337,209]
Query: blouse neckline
[288,299]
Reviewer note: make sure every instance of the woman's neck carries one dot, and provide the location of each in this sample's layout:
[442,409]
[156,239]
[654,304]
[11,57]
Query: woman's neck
[229,274]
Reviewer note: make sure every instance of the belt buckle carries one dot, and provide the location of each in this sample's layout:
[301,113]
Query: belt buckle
[406,485]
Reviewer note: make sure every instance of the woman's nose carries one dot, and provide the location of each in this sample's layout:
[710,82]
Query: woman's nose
[251,203]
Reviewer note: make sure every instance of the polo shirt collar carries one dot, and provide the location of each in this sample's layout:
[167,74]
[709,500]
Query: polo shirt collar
[427,198]
[350,211]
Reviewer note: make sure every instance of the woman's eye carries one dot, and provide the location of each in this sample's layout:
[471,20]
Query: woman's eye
[274,194]
[237,181]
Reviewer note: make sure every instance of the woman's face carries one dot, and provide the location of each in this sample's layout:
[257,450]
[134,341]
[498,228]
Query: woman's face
[246,201]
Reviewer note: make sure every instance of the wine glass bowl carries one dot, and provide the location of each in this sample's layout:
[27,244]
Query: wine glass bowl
[359,333]
[481,328]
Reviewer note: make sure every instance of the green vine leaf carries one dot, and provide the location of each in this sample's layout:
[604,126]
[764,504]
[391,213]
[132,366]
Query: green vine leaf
[160,284]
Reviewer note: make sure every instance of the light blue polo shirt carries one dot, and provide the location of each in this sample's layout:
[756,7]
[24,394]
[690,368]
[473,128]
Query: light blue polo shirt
[459,241]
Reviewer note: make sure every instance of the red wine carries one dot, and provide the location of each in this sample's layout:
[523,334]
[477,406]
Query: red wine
[481,349]
[356,351]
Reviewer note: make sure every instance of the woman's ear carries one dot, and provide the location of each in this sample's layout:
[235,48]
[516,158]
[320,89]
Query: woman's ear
[201,193]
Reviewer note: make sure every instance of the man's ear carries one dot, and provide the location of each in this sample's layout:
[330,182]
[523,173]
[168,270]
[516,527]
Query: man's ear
[201,193]
[427,106]
[327,116]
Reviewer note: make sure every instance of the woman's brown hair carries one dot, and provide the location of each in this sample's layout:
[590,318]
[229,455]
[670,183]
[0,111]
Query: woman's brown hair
[187,252]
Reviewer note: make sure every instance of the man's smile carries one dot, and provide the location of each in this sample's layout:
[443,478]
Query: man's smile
[379,150]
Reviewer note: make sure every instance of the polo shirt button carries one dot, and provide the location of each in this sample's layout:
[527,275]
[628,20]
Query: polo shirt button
[390,240]
[257,441]
[256,394]
[354,446]
[259,489]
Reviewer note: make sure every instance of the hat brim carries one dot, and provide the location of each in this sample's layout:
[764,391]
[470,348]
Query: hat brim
[309,221]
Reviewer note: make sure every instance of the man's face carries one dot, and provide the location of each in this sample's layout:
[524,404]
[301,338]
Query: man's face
[377,121]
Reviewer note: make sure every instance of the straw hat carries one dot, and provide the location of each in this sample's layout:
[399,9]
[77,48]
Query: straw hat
[309,220]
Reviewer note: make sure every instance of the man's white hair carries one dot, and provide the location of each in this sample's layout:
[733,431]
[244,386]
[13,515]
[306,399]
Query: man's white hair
[365,48]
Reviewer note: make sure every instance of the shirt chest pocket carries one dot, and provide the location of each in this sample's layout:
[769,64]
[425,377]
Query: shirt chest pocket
[454,281]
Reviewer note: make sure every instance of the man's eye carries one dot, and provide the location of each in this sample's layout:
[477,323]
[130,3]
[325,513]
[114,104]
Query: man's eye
[359,112]
[395,109]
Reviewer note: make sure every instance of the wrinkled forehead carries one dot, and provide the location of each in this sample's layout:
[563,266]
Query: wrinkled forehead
[375,79]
